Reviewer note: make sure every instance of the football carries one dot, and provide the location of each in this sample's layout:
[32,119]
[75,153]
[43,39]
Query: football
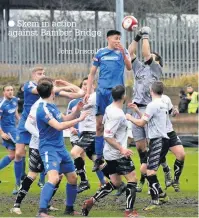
[129,23]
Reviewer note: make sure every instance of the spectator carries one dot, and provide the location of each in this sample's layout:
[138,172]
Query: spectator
[183,104]
[20,96]
[193,97]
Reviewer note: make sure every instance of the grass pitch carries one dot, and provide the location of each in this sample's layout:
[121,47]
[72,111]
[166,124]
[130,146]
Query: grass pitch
[182,204]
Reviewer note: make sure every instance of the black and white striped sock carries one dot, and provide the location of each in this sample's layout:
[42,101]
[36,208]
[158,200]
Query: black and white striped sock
[130,195]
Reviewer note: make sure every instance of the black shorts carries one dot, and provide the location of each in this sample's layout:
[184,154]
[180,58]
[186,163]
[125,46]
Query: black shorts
[158,148]
[173,139]
[121,166]
[74,140]
[74,143]
[87,142]
[35,162]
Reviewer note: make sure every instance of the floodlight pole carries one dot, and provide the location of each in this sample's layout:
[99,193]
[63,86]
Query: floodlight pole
[119,18]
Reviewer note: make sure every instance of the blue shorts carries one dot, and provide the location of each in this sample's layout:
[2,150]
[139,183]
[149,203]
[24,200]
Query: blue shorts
[23,136]
[60,161]
[10,143]
[103,99]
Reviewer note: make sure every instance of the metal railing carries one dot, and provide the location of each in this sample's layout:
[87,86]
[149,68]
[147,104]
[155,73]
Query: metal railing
[65,50]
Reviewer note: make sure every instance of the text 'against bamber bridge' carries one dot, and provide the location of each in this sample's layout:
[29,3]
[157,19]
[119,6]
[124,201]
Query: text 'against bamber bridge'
[64,23]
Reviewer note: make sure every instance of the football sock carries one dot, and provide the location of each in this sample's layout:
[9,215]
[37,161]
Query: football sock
[18,165]
[130,195]
[104,190]
[178,167]
[80,170]
[154,186]
[25,186]
[71,194]
[99,145]
[100,176]
[46,195]
[4,162]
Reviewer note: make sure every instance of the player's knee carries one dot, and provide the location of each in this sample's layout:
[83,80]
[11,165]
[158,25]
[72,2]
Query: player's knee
[72,179]
[53,179]
[18,154]
[117,184]
[73,154]
[151,172]
[11,154]
[143,168]
[180,156]
[32,175]
[141,145]
[132,177]
[20,151]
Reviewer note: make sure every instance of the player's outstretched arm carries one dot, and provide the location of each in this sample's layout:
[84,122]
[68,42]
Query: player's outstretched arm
[67,124]
[135,108]
[137,122]
[146,51]
[75,112]
[132,49]
[91,78]
[66,86]
[72,95]
[133,46]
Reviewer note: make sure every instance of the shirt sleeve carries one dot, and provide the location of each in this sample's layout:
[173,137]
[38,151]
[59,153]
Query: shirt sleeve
[111,127]
[46,115]
[71,104]
[136,65]
[148,114]
[28,87]
[96,59]
[156,69]
[1,113]
[0,121]
[170,105]
[31,125]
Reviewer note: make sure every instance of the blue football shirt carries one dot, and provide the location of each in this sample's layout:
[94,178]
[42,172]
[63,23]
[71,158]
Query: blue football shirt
[50,139]
[29,97]
[7,113]
[111,67]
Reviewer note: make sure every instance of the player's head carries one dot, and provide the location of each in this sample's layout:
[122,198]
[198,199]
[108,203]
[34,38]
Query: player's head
[8,92]
[190,89]
[113,38]
[157,88]
[157,58]
[38,73]
[118,93]
[45,87]
[21,88]
[83,84]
